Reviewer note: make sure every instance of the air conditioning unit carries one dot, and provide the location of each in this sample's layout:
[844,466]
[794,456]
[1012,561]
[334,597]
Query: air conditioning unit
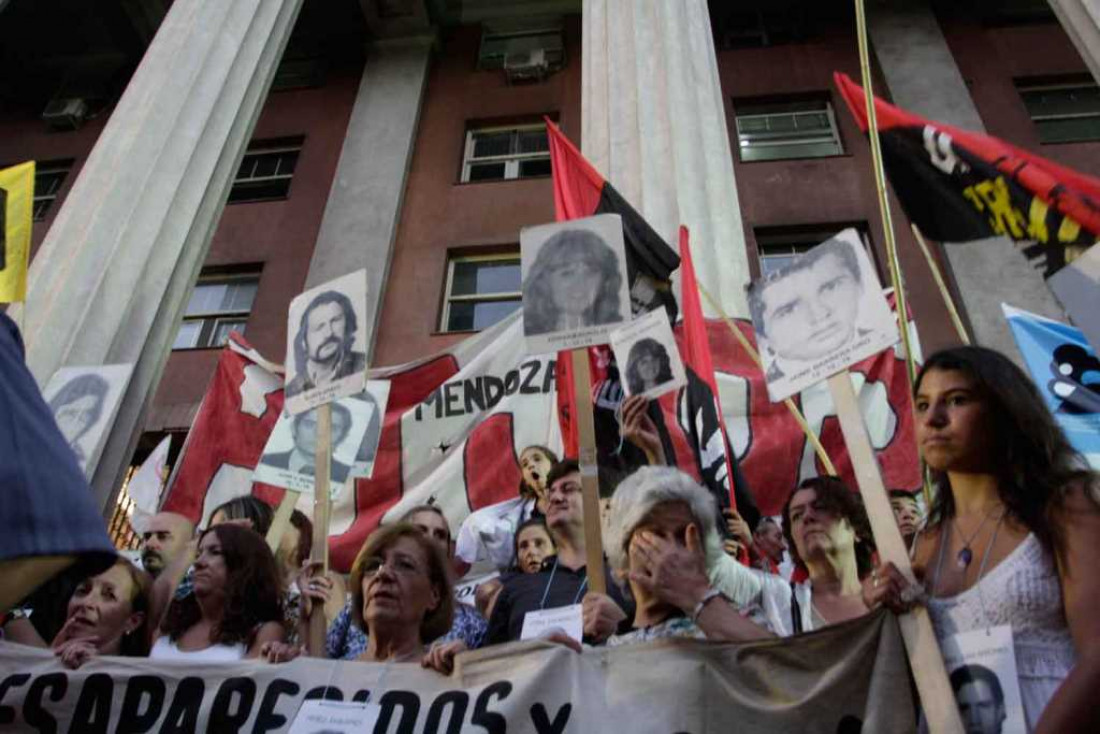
[526,65]
[65,113]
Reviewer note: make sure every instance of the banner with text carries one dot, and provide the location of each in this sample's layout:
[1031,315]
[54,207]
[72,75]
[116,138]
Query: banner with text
[848,678]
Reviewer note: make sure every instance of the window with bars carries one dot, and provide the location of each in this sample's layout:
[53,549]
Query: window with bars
[500,153]
[218,305]
[481,290]
[803,128]
[1065,112]
[778,246]
[48,178]
[266,170]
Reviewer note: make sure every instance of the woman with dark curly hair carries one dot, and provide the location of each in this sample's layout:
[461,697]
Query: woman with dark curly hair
[1013,533]
[574,282]
[647,366]
[235,606]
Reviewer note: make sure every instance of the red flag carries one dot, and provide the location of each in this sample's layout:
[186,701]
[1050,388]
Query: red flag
[957,185]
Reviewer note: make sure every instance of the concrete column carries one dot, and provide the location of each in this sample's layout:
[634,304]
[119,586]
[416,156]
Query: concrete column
[654,123]
[1081,21]
[923,78]
[364,205]
[111,280]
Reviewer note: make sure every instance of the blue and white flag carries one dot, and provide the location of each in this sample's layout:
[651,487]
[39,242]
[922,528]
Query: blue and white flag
[1067,373]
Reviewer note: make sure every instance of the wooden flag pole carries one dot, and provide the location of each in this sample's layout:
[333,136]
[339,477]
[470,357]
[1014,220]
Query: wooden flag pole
[937,698]
[281,521]
[321,483]
[586,442]
[819,449]
[944,293]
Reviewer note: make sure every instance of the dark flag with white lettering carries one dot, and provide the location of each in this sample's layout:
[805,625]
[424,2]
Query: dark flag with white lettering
[958,186]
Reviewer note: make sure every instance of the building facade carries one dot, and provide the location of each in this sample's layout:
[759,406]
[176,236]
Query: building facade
[406,138]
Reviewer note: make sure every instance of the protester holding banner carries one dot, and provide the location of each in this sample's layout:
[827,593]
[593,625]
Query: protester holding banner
[235,605]
[1013,536]
[662,540]
[108,614]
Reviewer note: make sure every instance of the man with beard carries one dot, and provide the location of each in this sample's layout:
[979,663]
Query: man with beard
[166,536]
[323,346]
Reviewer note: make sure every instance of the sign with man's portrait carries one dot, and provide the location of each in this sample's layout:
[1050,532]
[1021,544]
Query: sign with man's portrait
[289,456]
[575,286]
[819,314]
[981,666]
[648,359]
[84,402]
[376,396]
[326,343]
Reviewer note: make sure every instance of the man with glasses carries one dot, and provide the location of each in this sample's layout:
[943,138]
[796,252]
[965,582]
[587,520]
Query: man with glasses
[563,579]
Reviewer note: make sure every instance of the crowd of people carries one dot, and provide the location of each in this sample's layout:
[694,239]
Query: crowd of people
[1011,533]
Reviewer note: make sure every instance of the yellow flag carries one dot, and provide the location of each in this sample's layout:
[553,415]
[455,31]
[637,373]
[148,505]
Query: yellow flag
[16,214]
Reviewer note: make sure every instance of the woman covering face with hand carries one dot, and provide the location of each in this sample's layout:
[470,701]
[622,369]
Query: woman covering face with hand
[107,615]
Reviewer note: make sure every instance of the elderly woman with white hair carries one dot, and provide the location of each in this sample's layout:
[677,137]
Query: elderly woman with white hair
[663,541]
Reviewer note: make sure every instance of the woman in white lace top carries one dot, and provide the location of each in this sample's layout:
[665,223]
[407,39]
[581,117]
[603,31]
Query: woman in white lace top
[1013,535]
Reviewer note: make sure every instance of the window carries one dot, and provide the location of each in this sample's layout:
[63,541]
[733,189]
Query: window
[48,177]
[778,246]
[218,305]
[1065,112]
[499,153]
[768,131]
[499,44]
[266,170]
[481,290]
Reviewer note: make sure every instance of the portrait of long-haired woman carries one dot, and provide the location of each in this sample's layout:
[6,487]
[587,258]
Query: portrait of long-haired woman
[574,282]
[647,366]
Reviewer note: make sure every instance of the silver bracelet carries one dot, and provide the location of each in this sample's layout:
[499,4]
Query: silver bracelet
[710,594]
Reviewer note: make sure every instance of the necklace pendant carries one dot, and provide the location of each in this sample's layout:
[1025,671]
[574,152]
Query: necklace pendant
[965,556]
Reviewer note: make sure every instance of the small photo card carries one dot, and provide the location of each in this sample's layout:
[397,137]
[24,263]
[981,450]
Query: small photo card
[326,343]
[819,314]
[288,457]
[375,397]
[575,286]
[84,402]
[319,716]
[981,665]
[649,361]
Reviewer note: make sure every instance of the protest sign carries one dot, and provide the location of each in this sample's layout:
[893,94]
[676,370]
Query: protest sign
[84,401]
[819,314]
[648,358]
[376,397]
[575,284]
[841,678]
[289,457]
[982,668]
[326,343]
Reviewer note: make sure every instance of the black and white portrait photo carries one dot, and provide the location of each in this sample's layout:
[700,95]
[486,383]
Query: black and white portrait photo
[289,456]
[981,666]
[375,398]
[84,401]
[820,314]
[326,344]
[648,358]
[575,287]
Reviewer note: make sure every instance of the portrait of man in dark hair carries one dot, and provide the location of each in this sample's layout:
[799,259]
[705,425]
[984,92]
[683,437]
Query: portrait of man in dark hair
[323,343]
[647,366]
[301,458]
[574,282]
[981,699]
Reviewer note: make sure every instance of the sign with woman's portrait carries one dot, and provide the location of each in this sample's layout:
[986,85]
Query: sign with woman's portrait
[289,456]
[648,359]
[575,287]
[326,343]
[819,314]
[84,402]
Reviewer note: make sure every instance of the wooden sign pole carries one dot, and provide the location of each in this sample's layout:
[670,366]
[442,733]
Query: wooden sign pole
[321,484]
[281,521]
[937,698]
[586,442]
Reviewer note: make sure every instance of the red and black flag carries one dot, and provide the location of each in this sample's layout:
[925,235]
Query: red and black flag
[958,186]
